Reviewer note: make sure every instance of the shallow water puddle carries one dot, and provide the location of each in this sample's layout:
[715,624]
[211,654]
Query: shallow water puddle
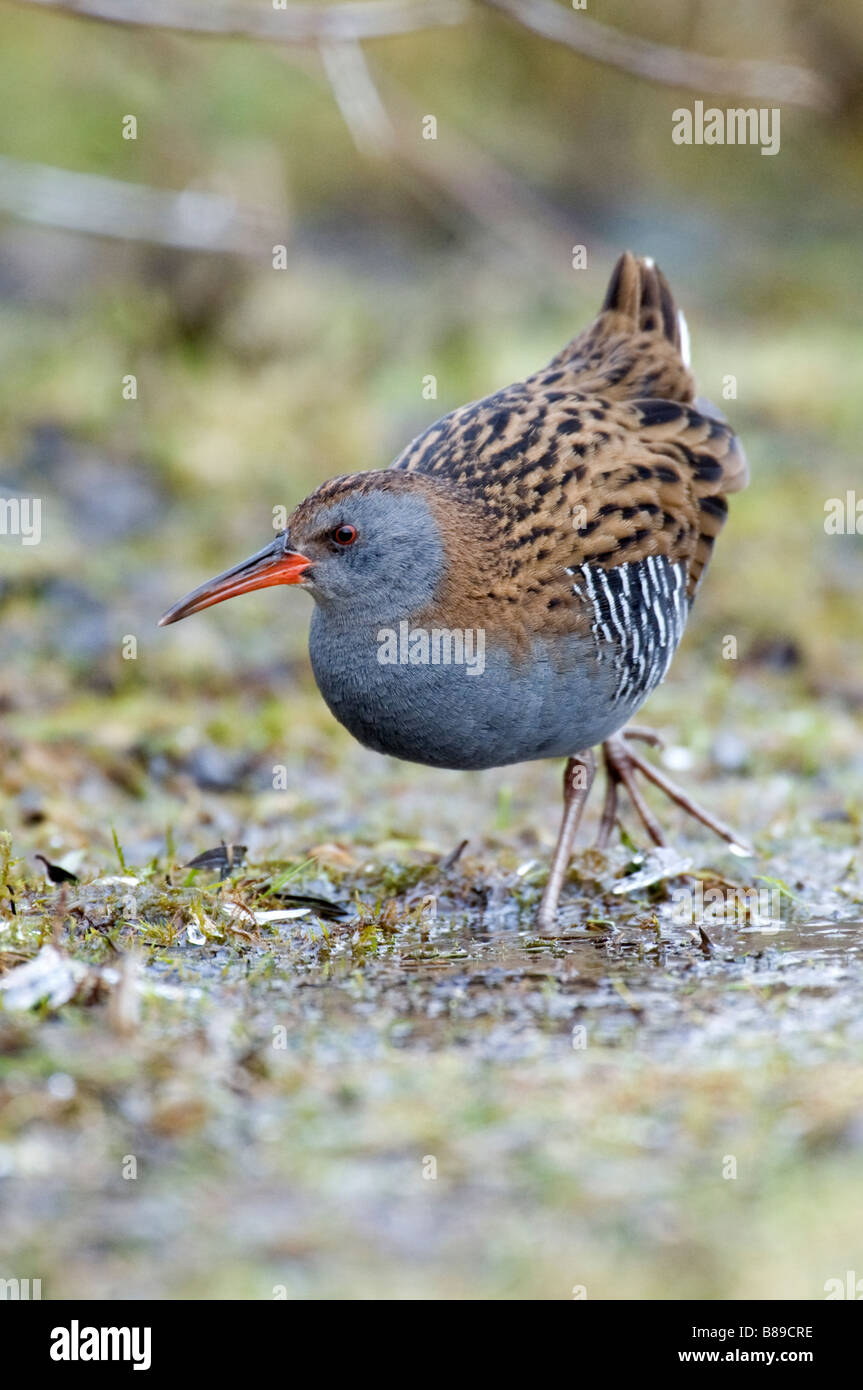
[648,985]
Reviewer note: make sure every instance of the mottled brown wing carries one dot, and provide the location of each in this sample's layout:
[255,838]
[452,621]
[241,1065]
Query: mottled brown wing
[604,456]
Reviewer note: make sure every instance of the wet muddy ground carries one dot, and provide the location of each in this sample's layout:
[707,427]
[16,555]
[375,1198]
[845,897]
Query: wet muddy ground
[422,1097]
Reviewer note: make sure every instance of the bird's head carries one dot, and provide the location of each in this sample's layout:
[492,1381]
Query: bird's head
[371,545]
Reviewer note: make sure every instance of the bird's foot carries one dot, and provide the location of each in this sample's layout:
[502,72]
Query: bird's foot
[621,765]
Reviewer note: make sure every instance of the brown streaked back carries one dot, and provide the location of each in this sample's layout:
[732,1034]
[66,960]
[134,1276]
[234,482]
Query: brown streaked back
[602,457]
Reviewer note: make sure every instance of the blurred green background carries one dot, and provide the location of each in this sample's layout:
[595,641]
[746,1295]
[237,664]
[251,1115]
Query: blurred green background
[405,258]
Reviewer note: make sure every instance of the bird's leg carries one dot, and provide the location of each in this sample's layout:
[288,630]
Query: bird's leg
[621,765]
[578,778]
[609,807]
[613,778]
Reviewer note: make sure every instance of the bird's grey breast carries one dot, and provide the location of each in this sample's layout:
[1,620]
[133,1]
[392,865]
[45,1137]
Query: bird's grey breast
[456,698]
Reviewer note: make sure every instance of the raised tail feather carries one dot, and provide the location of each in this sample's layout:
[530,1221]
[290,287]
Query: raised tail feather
[639,291]
[638,345]
[635,353]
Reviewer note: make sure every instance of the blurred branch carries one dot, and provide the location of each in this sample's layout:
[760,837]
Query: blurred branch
[370,19]
[298,23]
[465,175]
[357,97]
[92,203]
[459,176]
[744,77]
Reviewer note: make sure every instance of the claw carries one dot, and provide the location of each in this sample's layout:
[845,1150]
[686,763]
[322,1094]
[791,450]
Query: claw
[621,764]
[646,735]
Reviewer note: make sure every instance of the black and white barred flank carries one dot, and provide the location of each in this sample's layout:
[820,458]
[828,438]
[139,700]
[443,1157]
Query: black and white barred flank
[639,611]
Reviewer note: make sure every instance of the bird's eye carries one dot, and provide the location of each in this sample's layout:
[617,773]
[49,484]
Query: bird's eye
[344,535]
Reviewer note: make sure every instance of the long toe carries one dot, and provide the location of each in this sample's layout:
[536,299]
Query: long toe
[623,764]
